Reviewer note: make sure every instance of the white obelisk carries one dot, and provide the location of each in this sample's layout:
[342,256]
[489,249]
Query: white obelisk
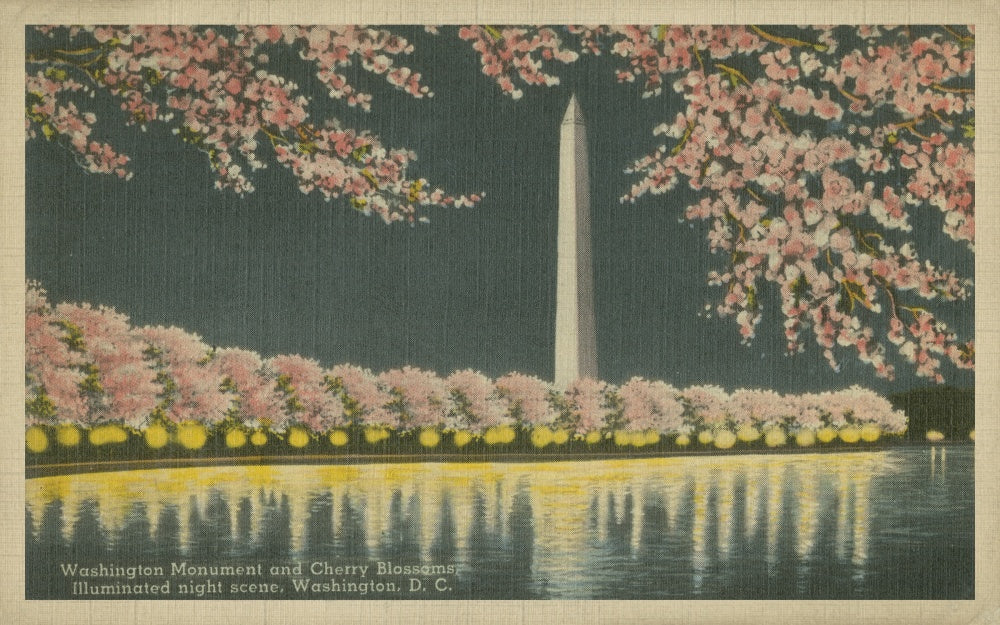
[576,336]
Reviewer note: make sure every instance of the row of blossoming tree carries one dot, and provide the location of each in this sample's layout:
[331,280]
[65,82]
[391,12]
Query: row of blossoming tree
[89,371]
[815,150]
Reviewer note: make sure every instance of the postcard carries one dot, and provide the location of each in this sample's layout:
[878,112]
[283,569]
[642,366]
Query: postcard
[625,320]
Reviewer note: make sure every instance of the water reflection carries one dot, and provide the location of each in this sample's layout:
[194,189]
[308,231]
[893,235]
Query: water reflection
[822,526]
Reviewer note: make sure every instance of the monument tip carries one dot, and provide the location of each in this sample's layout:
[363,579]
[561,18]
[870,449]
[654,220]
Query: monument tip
[574,114]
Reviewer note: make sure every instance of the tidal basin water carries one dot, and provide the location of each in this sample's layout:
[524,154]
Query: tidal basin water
[890,524]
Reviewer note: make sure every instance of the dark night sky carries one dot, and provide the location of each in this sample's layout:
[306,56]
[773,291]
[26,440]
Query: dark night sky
[282,272]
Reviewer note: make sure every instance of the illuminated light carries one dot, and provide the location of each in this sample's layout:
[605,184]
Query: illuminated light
[491,437]
[104,434]
[682,441]
[541,436]
[561,493]
[461,438]
[775,437]
[506,434]
[68,435]
[934,436]
[298,437]
[826,435]
[726,511]
[36,440]
[844,531]
[972,435]
[499,435]
[870,433]
[258,439]
[559,437]
[593,437]
[429,437]
[861,519]
[637,439]
[724,439]
[850,434]
[192,435]
[747,433]
[156,436]
[698,527]
[622,438]
[805,438]
[235,438]
[374,435]
[775,493]
[338,438]
[809,507]
[651,437]
[705,437]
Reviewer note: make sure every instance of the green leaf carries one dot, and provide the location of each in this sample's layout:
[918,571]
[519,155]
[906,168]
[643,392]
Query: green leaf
[359,152]
[55,73]
[969,129]
[41,407]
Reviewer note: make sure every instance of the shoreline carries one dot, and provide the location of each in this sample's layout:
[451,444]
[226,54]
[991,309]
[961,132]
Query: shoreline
[114,466]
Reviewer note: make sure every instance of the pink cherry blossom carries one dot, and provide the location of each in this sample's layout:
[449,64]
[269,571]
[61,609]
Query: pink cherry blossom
[587,400]
[90,366]
[651,405]
[508,53]
[307,402]
[214,90]
[191,388]
[781,203]
[422,398]
[255,400]
[123,389]
[477,404]
[53,370]
[528,399]
[707,405]
[366,399]
[755,407]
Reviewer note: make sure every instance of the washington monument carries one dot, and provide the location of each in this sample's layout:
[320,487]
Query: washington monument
[576,337]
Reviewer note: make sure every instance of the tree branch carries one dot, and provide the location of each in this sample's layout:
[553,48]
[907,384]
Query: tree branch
[964,39]
[788,41]
[734,73]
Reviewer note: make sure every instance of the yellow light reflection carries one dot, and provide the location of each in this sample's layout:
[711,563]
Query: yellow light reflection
[561,497]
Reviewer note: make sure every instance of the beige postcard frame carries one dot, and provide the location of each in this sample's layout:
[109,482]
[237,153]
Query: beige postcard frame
[15,14]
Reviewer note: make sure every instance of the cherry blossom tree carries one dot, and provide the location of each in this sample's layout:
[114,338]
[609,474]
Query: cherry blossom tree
[650,405]
[754,407]
[307,398]
[191,389]
[476,402]
[365,399]
[255,398]
[586,405]
[54,362]
[89,366]
[707,405]
[214,88]
[421,398]
[529,399]
[118,385]
[813,150]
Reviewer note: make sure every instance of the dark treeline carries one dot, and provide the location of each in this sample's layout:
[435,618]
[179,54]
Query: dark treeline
[946,409]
